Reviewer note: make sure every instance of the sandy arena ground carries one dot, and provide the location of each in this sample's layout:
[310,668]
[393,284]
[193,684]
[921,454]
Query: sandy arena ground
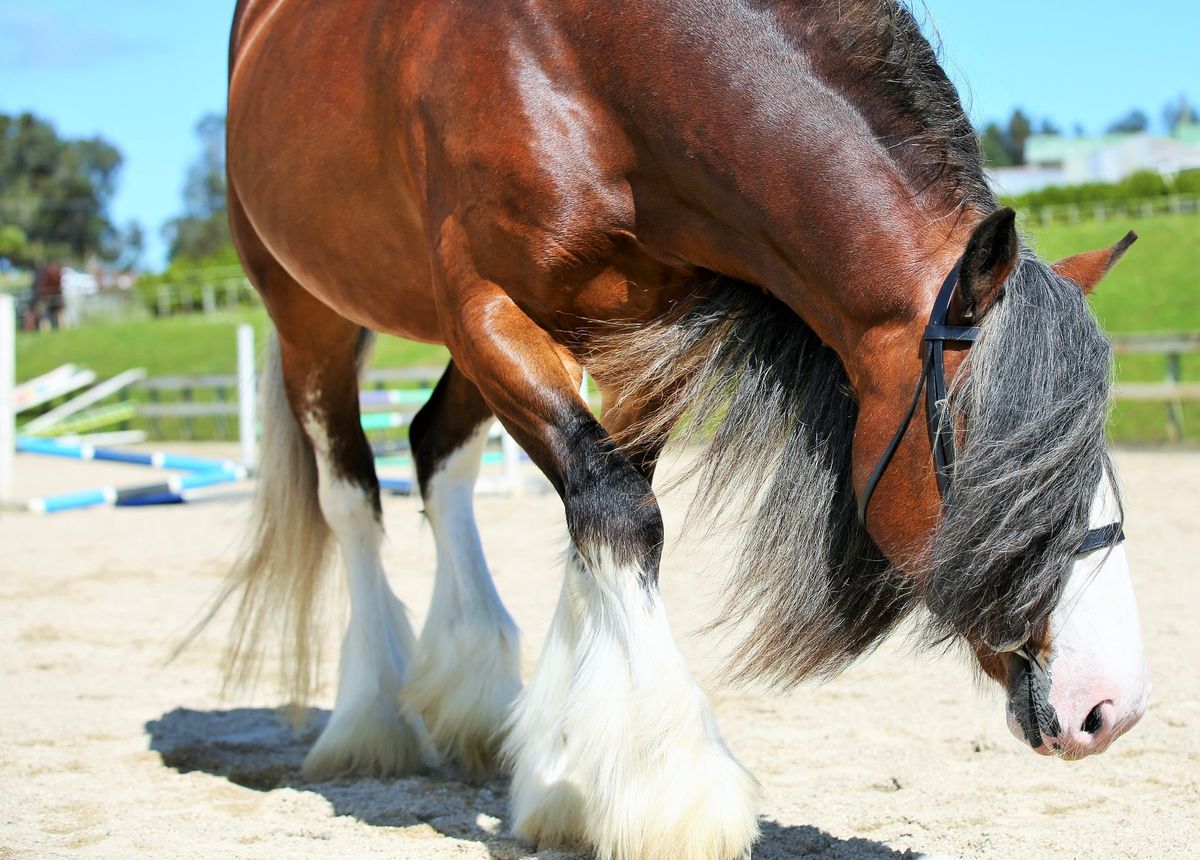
[106,751]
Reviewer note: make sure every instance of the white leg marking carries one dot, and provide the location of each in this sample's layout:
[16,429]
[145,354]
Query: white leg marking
[546,799]
[615,744]
[469,671]
[371,731]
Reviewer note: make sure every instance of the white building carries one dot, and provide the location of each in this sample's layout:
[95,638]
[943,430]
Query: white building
[1057,160]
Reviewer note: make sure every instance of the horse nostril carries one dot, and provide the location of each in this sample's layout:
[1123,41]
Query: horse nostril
[1094,720]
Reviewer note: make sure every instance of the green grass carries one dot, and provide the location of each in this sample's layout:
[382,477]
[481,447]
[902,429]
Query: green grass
[1155,288]
[183,345]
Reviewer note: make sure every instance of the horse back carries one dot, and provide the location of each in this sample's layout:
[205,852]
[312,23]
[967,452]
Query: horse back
[358,131]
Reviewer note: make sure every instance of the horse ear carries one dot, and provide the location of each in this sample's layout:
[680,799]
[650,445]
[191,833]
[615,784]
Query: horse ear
[1087,269]
[990,258]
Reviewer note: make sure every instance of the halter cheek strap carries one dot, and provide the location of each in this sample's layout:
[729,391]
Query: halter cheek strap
[941,428]
[933,382]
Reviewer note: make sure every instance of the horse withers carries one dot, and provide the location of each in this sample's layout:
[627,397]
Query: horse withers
[738,217]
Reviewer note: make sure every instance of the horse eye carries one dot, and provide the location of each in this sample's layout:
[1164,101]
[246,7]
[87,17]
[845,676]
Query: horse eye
[1007,646]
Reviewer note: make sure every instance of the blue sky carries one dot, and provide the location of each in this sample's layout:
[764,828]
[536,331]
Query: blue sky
[141,72]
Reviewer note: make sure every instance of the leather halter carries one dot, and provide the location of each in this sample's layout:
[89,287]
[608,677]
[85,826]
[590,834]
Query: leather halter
[941,428]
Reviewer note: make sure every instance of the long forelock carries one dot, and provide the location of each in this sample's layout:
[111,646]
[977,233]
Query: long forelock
[1031,399]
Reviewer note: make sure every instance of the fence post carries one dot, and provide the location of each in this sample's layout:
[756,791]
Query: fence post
[208,298]
[8,381]
[1174,405]
[247,407]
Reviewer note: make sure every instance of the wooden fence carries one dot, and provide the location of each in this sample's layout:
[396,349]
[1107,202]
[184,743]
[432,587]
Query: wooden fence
[206,407]
[1104,210]
[1172,391]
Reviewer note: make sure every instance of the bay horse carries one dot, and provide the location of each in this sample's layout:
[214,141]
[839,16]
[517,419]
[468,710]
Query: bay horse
[740,217]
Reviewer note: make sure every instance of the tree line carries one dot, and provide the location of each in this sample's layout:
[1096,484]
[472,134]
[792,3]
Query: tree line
[56,192]
[1004,143]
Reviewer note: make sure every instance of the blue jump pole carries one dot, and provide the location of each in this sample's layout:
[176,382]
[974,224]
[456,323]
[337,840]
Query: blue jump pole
[396,397]
[396,486]
[157,459]
[174,486]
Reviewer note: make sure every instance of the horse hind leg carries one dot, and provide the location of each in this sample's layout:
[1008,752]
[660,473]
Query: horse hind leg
[316,480]
[469,668]
[372,729]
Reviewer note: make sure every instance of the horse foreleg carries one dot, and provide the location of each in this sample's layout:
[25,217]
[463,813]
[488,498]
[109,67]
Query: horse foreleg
[612,743]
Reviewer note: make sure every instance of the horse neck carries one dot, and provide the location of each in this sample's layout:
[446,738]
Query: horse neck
[772,175]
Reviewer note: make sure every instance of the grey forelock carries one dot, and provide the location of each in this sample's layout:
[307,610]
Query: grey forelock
[1031,402]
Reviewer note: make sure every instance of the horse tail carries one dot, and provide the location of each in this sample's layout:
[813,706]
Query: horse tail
[286,554]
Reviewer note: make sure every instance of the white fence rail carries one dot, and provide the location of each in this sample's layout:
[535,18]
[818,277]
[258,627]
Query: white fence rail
[1074,213]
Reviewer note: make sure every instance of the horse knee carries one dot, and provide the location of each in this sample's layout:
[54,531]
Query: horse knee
[611,509]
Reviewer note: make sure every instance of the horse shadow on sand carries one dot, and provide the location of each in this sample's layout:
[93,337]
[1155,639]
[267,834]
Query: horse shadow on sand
[255,748]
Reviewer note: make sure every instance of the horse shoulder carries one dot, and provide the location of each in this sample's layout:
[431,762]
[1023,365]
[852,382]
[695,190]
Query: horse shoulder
[529,160]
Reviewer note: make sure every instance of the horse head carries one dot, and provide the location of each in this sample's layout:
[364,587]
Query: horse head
[1003,505]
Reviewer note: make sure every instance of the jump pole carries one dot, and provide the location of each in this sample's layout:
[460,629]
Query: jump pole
[154,459]
[175,486]
[247,396]
[8,382]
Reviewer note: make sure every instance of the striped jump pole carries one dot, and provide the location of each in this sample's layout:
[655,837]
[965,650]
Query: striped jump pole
[157,459]
[384,420]
[396,397]
[45,424]
[396,486]
[173,487]
[49,386]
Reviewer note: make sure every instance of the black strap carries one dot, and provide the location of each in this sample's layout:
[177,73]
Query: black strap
[933,381]
[941,428]
[1102,538]
[877,472]
[959,333]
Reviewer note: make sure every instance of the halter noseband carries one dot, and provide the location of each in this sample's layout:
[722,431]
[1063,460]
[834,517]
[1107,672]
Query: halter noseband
[941,427]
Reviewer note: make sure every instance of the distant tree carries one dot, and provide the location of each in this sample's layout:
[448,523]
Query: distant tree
[995,146]
[130,244]
[1004,146]
[1133,122]
[1049,128]
[56,192]
[1078,130]
[202,231]
[14,244]
[1179,113]
[1019,129]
